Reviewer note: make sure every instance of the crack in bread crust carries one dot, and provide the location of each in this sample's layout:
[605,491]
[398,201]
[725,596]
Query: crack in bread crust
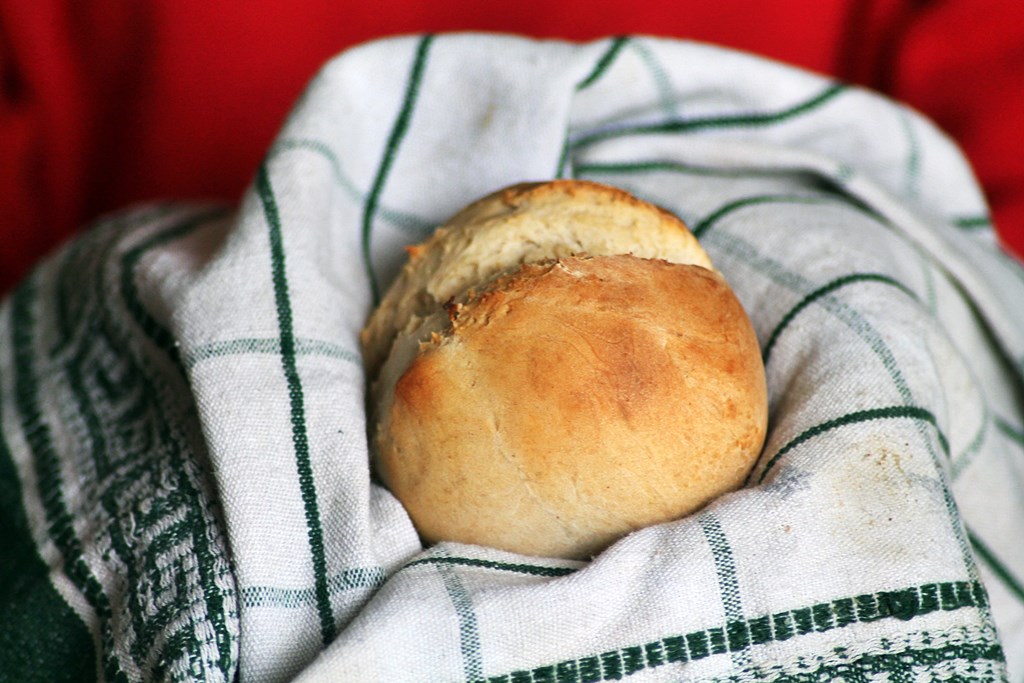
[546,402]
[526,223]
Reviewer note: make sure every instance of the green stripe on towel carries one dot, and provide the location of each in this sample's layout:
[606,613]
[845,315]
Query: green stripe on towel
[300,438]
[604,62]
[859,417]
[469,630]
[398,131]
[267,346]
[413,225]
[983,652]
[536,570]
[825,290]
[755,119]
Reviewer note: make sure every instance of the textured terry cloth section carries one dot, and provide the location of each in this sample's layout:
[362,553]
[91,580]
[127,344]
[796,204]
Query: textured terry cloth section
[876,537]
[41,637]
[102,430]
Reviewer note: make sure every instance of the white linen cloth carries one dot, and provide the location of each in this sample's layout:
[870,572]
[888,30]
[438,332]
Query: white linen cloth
[204,365]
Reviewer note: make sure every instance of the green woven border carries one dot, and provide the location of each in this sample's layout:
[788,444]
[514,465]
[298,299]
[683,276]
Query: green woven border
[740,635]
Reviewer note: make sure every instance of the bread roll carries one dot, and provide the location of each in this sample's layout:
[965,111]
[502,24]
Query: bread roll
[558,366]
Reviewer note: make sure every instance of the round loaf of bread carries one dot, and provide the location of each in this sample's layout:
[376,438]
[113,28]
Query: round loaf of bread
[555,404]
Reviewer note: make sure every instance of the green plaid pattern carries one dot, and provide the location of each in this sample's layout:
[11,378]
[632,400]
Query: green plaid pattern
[184,483]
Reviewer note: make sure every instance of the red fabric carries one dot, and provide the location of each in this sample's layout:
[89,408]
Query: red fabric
[109,102]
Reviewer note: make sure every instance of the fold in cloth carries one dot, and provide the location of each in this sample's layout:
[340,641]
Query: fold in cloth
[184,458]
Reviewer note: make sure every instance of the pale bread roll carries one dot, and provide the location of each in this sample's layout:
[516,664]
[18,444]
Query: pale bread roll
[554,406]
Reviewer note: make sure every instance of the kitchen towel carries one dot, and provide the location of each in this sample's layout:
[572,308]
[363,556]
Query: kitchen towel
[184,478]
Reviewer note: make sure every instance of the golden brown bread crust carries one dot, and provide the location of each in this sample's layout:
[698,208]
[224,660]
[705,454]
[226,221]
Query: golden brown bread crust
[524,223]
[573,401]
[558,365]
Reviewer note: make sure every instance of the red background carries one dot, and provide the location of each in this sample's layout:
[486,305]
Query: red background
[110,102]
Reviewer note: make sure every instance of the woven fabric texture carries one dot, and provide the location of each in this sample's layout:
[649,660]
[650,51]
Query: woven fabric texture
[183,462]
